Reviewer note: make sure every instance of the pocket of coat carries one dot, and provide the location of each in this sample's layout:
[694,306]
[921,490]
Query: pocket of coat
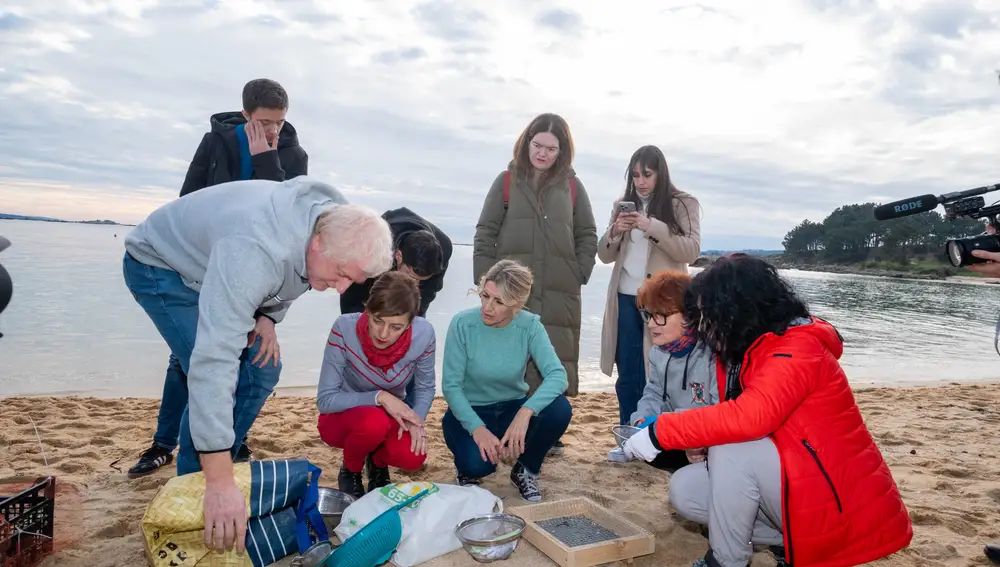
[826,475]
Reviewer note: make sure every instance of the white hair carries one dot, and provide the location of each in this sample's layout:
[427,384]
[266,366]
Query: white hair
[351,233]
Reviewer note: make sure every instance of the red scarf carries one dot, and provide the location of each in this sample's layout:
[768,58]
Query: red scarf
[382,358]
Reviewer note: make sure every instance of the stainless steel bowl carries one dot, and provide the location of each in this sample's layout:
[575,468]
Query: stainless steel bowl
[332,504]
[623,432]
[491,537]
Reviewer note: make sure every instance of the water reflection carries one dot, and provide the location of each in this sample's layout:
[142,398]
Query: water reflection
[73,328]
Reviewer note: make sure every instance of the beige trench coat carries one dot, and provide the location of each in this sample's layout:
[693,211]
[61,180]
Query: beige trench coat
[666,252]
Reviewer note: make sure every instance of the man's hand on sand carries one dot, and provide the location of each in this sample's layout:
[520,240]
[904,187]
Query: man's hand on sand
[258,138]
[991,267]
[225,514]
[269,348]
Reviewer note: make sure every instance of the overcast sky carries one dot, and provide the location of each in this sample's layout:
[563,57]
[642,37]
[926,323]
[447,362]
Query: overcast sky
[769,112]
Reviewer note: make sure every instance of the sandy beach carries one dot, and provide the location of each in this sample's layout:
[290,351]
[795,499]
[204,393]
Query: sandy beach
[939,442]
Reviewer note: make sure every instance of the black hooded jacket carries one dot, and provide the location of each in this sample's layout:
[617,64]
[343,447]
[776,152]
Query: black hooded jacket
[217,159]
[402,221]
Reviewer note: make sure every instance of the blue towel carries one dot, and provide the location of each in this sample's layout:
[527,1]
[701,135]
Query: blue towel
[246,161]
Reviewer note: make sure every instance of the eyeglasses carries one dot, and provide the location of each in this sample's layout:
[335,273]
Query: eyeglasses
[658,318]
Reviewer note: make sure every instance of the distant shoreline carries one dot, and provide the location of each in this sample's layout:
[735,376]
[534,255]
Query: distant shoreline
[9,216]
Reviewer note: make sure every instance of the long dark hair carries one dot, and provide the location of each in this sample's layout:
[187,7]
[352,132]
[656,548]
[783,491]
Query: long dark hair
[555,125]
[661,201]
[735,301]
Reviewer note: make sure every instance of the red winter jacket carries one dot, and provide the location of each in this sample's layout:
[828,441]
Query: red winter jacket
[840,505]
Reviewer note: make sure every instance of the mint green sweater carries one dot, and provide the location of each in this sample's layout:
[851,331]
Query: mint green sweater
[485,365]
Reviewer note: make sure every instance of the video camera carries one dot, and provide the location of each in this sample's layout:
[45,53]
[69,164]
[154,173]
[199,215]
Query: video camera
[958,204]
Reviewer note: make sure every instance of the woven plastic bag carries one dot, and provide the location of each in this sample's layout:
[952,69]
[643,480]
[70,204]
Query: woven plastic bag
[281,507]
[428,524]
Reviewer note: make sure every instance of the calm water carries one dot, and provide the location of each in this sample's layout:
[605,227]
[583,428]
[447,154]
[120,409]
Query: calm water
[73,328]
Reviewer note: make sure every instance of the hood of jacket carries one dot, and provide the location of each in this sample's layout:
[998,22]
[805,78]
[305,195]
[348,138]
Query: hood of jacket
[225,122]
[804,335]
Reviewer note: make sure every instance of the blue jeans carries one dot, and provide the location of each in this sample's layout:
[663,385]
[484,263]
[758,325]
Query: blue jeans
[629,359]
[544,430]
[173,308]
[172,405]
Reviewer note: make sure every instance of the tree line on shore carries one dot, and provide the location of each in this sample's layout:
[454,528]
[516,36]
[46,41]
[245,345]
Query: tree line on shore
[850,234]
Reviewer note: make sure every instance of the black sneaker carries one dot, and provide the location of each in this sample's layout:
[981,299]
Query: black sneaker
[557,449]
[463,480]
[154,458]
[526,483]
[377,476]
[350,482]
[778,551]
[243,454]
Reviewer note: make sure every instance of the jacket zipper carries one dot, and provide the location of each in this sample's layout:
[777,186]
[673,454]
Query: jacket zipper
[815,457]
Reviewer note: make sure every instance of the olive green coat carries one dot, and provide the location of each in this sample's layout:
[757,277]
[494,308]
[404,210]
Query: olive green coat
[558,242]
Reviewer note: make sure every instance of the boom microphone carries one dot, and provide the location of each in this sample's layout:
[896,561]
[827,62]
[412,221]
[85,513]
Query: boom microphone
[906,207]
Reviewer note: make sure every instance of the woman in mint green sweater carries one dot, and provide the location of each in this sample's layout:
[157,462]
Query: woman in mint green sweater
[489,412]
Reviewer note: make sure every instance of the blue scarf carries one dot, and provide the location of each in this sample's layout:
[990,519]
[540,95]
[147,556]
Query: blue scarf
[246,162]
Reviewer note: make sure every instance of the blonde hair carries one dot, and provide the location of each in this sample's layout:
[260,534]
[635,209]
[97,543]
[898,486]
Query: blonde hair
[351,233]
[513,281]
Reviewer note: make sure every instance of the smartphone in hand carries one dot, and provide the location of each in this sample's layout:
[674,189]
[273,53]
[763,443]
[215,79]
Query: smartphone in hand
[626,207]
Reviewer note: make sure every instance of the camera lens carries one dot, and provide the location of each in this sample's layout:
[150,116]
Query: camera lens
[959,250]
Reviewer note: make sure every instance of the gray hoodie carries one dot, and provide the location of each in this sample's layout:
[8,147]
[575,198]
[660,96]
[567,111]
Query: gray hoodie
[242,246]
[677,383]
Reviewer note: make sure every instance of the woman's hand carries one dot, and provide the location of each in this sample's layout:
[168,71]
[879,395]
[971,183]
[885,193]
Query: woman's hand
[696,455]
[512,443]
[641,222]
[269,349]
[418,440]
[398,410]
[624,222]
[489,445]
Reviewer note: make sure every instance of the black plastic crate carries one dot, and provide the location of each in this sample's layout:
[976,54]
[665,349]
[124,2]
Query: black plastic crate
[30,516]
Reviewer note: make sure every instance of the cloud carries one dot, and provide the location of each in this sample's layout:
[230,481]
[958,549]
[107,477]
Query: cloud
[767,117]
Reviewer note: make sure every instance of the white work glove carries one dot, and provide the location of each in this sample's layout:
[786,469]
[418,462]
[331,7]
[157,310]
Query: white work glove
[641,445]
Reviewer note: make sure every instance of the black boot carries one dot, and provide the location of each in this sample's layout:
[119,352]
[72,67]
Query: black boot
[350,482]
[377,476]
[992,551]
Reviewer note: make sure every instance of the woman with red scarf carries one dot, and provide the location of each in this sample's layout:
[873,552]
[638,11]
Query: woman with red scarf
[370,358]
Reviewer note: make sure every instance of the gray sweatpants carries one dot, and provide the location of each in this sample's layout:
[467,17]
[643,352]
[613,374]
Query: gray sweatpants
[738,496]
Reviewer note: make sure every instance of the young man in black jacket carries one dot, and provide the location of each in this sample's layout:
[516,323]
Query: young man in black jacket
[422,251]
[256,143]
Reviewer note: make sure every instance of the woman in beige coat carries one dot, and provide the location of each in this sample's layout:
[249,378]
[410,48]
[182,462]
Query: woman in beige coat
[663,233]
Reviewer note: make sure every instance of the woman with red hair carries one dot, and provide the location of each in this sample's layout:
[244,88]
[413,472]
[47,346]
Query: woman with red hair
[683,372]
[791,459]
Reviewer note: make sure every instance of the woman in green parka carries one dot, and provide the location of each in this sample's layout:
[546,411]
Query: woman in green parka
[543,219]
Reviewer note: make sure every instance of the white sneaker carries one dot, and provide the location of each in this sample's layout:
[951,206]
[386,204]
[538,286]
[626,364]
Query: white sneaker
[618,455]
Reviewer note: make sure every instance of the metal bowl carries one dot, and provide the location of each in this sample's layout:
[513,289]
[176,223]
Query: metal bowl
[332,504]
[490,537]
[623,432]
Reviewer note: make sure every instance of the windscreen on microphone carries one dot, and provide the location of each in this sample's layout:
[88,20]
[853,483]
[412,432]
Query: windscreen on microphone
[906,207]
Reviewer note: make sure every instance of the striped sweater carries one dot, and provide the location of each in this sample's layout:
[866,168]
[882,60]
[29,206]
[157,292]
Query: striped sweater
[348,381]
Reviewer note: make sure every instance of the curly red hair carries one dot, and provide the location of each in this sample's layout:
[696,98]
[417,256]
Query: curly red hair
[663,293]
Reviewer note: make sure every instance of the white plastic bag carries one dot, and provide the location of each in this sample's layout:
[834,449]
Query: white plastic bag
[428,524]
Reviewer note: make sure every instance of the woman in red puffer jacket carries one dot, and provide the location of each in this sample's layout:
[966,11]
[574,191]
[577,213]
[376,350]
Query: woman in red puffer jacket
[791,460]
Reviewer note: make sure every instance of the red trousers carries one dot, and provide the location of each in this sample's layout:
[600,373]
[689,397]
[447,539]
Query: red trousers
[368,430]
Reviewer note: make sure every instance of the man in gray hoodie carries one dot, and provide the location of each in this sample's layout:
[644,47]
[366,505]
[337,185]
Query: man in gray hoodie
[215,271]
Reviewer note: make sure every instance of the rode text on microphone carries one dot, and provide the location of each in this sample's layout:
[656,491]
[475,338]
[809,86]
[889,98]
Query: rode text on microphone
[969,204]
